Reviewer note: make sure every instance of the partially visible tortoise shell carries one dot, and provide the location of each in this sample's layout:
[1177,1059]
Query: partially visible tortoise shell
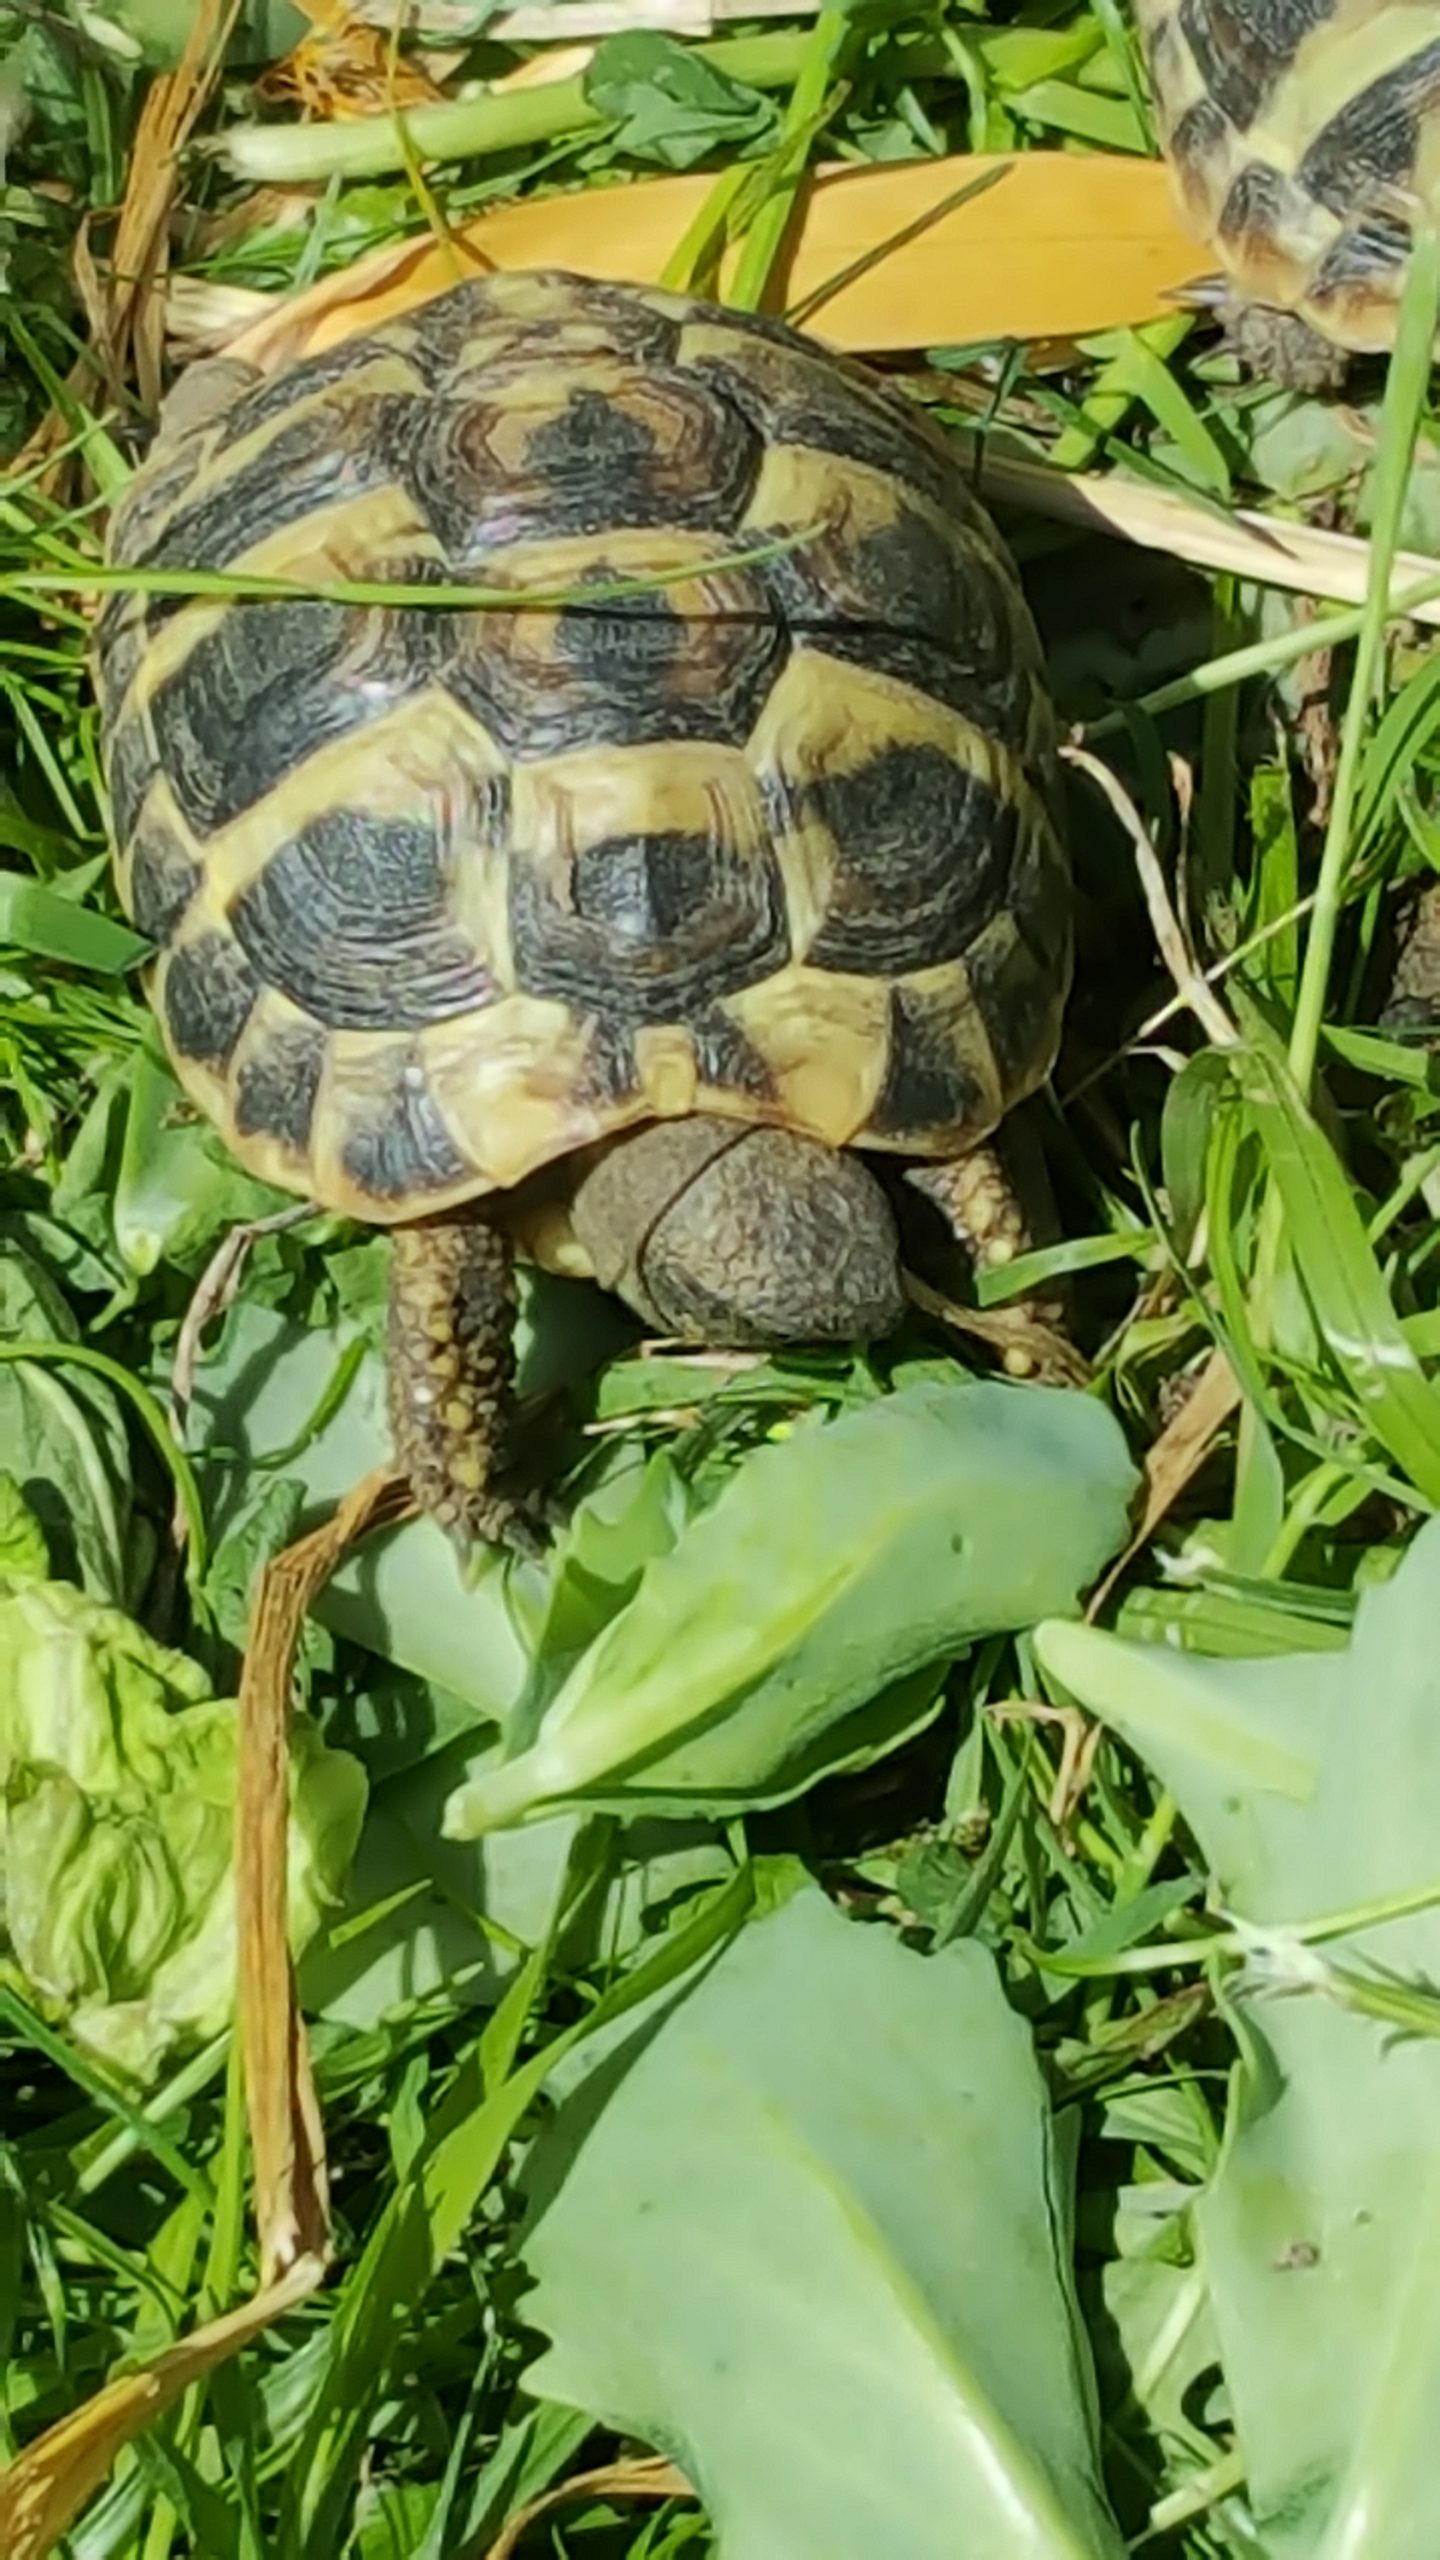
[442,895]
[1304,136]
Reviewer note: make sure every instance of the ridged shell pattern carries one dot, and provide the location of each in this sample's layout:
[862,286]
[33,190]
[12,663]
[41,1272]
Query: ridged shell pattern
[1305,139]
[441,895]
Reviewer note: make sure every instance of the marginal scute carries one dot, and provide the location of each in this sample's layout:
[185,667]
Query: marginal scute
[941,1080]
[130,766]
[209,992]
[401,1149]
[277,1083]
[1374,139]
[444,896]
[162,878]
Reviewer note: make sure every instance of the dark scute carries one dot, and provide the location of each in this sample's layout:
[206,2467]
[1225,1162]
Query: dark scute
[323,457]
[635,672]
[927,1085]
[145,502]
[276,1089]
[923,856]
[610,1072]
[446,329]
[1369,253]
[1203,129]
[297,382]
[1254,204]
[592,435]
[828,411]
[926,607]
[726,1059]
[649,672]
[405,1146]
[272,683]
[1018,994]
[603,465]
[163,880]
[1242,48]
[656,926]
[130,764]
[592,466]
[210,991]
[120,646]
[1374,139]
[349,920]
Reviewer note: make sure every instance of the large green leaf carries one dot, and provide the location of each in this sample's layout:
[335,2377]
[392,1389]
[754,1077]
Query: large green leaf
[62,1434]
[1313,1785]
[802,1623]
[401,1594]
[802,2235]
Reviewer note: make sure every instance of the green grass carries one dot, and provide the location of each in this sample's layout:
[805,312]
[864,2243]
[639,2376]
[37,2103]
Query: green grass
[1281,1202]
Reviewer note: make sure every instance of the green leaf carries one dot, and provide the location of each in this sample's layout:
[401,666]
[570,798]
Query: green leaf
[802,1623]
[669,104]
[803,2234]
[37,919]
[401,1594]
[1313,1786]
[178,1188]
[23,1551]
[1342,1280]
[63,1438]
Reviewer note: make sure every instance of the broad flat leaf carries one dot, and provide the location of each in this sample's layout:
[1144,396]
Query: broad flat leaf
[802,2236]
[463,1914]
[401,1595]
[801,1624]
[1313,1785]
[177,1188]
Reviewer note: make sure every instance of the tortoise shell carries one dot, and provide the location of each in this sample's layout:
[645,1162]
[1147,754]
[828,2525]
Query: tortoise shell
[444,894]
[1304,136]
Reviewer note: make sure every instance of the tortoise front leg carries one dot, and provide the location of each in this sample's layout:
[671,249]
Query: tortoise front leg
[452,1370]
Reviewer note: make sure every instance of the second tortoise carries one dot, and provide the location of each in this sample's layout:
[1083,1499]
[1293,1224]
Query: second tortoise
[656,932]
[1304,137]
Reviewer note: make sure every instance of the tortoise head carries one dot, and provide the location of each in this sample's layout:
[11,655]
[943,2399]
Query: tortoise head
[720,1233]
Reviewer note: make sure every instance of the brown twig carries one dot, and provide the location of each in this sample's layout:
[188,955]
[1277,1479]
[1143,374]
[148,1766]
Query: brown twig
[287,2141]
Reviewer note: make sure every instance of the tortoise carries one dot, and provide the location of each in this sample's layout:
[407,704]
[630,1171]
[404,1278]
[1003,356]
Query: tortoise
[1304,140]
[651,930]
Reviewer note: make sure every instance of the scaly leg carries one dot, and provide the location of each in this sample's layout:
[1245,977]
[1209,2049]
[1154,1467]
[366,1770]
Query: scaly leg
[452,1368]
[996,1202]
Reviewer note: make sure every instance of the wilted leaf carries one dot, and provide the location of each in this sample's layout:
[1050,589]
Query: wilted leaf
[117,1791]
[802,2235]
[1313,1785]
[803,1622]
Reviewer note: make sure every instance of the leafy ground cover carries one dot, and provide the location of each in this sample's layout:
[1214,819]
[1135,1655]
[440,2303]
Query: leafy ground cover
[799,2014]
